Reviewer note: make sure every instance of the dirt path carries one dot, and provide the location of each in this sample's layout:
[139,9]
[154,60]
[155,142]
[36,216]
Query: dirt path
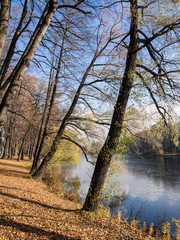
[29,211]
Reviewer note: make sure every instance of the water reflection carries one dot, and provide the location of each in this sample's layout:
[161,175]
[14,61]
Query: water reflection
[151,186]
[163,170]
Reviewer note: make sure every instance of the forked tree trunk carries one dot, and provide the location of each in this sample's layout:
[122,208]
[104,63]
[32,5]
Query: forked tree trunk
[16,76]
[93,197]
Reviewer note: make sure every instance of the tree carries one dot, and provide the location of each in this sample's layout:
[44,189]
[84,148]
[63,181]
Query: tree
[108,150]
[21,35]
[160,75]
[171,137]
[23,24]
[63,40]
[23,118]
[15,77]
[4,17]
[50,98]
[67,152]
[101,45]
[159,139]
[13,81]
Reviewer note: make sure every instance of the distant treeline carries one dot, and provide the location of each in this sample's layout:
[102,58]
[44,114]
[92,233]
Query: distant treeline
[160,139]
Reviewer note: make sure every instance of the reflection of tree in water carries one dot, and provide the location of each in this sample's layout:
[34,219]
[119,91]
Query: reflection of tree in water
[72,189]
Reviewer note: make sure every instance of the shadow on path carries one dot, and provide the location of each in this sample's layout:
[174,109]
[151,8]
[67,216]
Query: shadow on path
[12,165]
[32,229]
[15,188]
[37,203]
[14,173]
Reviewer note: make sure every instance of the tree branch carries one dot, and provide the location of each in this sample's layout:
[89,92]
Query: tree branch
[77,144]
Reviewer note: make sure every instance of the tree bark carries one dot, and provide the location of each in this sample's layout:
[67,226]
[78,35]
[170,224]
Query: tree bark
[4,17]
[93,197]
[24,62]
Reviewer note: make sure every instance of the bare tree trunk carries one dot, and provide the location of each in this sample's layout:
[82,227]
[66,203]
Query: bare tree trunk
[22,143]
[109,149]
[10,149]
[5,148]
[1,145]
[30,150]
[58,137]
[4,17]
[33,146]
[47,113]
[13,44]
[8,137]
[21,155]
[24,62]
[41,133]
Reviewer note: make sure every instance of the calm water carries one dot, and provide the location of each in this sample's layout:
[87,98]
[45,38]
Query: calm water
[151,187]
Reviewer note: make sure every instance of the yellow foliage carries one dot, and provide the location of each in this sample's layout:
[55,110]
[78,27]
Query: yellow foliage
[166,230]
[67,152]
[151,229]
[104,212]
[177,222]
[31,82]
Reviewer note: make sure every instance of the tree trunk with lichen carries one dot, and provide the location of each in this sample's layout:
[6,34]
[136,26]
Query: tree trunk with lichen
[93,197]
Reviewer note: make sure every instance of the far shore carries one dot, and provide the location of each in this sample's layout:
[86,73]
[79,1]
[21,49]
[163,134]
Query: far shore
[156,155]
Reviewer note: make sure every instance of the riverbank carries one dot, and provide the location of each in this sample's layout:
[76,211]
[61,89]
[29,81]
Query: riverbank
[30,211]
[150,155]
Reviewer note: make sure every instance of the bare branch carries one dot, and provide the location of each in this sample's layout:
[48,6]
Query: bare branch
[154,99]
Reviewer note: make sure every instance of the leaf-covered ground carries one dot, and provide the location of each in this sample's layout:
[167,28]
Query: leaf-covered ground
[28,210]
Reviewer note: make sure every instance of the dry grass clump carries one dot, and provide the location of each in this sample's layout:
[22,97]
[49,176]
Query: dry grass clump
[54,181]
[104,211]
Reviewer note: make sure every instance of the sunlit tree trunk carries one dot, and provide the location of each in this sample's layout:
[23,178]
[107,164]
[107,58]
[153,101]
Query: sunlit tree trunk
[16,76]
[109,149]
[4,17]
[12,46]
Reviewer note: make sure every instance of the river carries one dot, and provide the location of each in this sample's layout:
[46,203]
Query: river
[151,187]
